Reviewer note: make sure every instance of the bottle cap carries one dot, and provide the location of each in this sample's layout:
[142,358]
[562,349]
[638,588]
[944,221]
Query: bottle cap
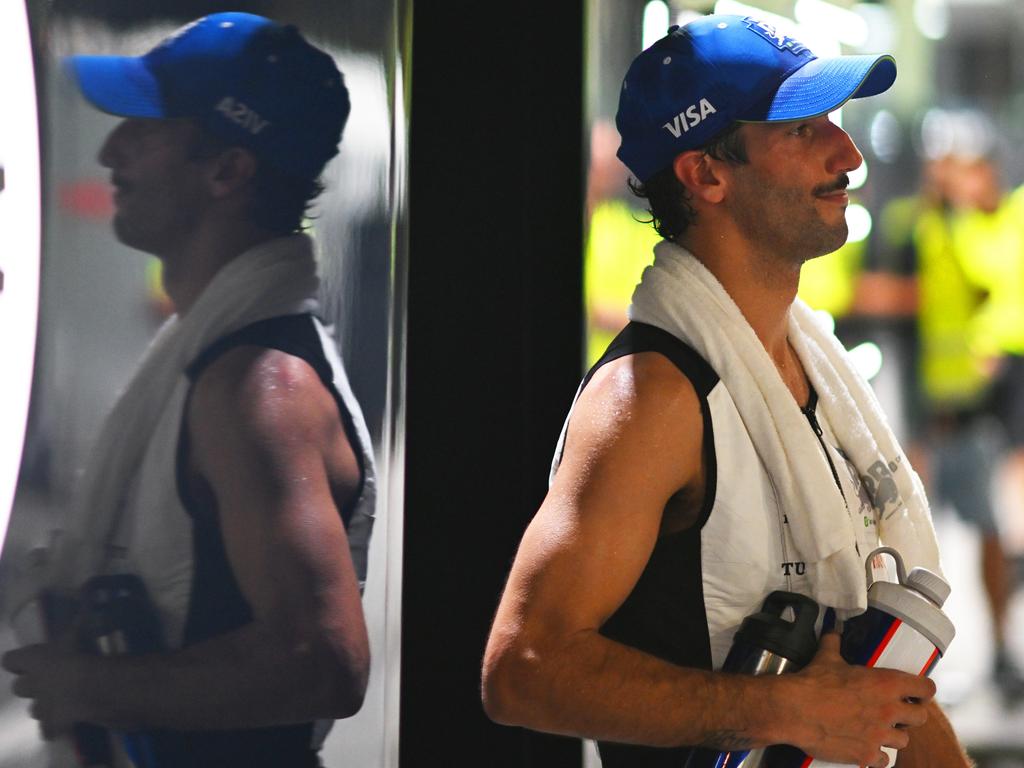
[771,629]
[929,584]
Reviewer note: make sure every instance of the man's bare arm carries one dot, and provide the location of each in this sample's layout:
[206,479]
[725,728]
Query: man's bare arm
[634,441]
[267,438]
[934,745]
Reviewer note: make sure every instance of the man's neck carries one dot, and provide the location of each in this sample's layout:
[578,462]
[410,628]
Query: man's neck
[188,269]
[762,285]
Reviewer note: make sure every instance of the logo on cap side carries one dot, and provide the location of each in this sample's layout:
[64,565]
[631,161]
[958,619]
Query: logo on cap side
[238,113]
[772,34]
[689,118]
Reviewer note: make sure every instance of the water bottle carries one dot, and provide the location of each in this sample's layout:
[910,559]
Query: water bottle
[903,628]
[779,638]
[117,618]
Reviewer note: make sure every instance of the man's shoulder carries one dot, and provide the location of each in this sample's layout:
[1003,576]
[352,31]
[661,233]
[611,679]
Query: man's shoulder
[659,353]
[264,392]
[643,389]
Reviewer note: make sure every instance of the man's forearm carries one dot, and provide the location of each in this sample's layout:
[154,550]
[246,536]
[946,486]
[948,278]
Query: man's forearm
[597,688]
[246,678]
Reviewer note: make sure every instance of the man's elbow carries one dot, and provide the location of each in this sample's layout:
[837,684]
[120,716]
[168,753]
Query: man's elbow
[508,675]
[348,686]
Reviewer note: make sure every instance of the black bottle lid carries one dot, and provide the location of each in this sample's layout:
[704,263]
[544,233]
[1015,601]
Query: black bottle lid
[787,633]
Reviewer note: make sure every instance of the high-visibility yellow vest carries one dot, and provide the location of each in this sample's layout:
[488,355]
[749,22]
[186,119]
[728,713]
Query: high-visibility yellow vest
[991,251]
[618,248]
[829,282]
[949,301]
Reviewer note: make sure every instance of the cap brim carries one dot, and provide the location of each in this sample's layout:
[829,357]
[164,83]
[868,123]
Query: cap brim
[824,85]
[120,85]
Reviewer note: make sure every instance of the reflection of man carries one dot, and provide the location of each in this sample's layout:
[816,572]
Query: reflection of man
[714,454]
[234,474]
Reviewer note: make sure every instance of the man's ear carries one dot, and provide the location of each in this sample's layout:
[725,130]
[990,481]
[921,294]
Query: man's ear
[230,171]
[701,175]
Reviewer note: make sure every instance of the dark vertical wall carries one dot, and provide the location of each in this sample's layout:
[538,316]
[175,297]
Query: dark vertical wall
[494,345]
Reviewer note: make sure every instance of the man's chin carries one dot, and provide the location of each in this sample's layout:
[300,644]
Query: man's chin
[828,243]
[127,235]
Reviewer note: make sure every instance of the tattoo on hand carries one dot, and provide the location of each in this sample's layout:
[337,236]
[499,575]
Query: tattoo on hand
[727,740]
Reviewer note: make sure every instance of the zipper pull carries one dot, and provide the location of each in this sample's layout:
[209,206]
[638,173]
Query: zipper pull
[809,413]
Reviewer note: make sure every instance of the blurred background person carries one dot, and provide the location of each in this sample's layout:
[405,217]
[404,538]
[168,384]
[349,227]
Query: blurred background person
[617,249]
[940,240]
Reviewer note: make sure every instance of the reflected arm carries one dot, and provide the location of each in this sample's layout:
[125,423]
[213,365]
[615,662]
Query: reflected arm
[267,438]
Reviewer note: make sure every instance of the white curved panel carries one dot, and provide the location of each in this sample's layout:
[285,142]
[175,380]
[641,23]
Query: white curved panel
[19,242]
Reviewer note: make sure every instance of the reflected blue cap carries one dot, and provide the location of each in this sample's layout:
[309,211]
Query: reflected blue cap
[249,80]
[698,80]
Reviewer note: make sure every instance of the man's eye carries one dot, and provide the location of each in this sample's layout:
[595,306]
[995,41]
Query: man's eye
[800,130]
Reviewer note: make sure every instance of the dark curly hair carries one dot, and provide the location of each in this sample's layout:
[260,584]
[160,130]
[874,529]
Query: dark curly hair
[279,200]
[668,200]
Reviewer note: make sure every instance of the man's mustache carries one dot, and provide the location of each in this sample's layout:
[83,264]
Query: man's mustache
[841,183]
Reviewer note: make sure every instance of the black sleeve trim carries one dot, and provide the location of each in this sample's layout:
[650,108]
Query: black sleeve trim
[294,335]
[641,337]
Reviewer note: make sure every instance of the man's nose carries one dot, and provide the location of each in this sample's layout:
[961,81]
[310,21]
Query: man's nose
[843,153]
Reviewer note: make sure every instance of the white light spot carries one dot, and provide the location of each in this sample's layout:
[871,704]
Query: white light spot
[722,25]
[843,24]
[867,359]
[858,220]
[227,24]
[655,22]
[667,60]
[885,137]
[881,27]
[858,176]
[932,18]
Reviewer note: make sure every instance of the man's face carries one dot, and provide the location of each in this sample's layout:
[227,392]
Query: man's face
[159,190]
[790,199]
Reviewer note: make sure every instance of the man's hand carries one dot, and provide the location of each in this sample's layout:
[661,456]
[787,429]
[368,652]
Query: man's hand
[845,713]
[50,674]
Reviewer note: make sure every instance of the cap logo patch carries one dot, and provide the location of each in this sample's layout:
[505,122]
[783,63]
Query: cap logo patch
[771,33]
[691,116]
[241,115]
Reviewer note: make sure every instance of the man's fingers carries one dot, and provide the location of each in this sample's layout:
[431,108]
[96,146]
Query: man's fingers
[13,661]
[23,688]
[48,730]
[898,738]
[911,715]
[829,643]
[927,686]
[20,659]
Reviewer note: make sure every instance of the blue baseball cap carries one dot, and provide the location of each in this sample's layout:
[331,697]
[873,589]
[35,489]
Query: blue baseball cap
[246,79]
[698,80]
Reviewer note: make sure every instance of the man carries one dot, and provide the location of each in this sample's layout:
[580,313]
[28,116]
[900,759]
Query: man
[234,476]
[716,453]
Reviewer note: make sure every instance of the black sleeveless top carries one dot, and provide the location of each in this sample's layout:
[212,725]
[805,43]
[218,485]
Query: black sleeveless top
[216,604]
[664,614]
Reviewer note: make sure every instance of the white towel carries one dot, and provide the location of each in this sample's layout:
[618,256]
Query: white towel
[679,295]
[278,277]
